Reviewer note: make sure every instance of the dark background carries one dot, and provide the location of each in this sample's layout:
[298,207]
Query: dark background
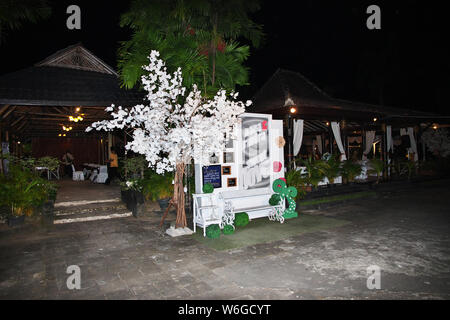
[405,64]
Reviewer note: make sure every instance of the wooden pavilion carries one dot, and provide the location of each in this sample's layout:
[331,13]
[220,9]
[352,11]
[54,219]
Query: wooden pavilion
[289,95]
[37,104]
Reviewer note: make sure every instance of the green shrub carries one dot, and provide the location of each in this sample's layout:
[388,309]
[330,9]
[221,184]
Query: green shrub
[208,188]
[350,170]
[228,229]
[213,231]
[274,199]
[23,191]
[241,219]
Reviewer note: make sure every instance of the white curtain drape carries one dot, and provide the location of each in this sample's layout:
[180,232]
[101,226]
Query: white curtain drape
[370,138]
[337,137]
[298,136]
[413,143]
[389,142]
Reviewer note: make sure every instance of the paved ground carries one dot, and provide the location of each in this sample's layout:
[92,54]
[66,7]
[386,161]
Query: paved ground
[85,190]
[405,233]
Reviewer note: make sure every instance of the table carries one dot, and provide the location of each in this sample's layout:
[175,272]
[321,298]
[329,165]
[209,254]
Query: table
[49,172]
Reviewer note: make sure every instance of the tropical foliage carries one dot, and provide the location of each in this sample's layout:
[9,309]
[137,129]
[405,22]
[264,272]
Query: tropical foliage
[22,190]
[349,170]
[376,167]
[199,36]
[14,13]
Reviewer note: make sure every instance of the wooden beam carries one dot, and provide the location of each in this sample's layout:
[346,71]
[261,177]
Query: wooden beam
[17,120]
[8,112]
[57,110]
[62,119]
[3,109]
[21,126]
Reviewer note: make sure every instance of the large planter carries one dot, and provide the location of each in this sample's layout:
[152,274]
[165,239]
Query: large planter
[134,201]
[48,216]
[15,221]
[163,203]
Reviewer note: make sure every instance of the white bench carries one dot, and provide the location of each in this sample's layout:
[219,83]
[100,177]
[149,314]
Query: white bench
[210,208]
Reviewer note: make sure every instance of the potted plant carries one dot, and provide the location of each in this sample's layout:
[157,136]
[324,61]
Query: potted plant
[133,184]
[350,170]
[158,188]
[332,167]
[294,178]
[48,162]
[22,191]
[315,171]
[376,167]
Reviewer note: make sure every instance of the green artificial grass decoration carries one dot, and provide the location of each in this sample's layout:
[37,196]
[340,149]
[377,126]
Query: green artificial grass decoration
[274,199]
[213,231]
[241,219]
[228,229]
[208,188]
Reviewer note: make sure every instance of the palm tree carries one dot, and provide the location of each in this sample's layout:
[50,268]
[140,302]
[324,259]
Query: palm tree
[13,13]
[199,36]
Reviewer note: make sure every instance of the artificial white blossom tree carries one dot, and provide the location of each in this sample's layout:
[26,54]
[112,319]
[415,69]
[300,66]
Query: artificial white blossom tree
[437,141]
[175,125]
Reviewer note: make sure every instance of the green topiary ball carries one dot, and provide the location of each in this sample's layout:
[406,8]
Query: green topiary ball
[274,199]
[208,188]
[228,229]
[213,231]
[241,219]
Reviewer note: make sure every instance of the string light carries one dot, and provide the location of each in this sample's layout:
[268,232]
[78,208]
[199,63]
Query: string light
[76,119]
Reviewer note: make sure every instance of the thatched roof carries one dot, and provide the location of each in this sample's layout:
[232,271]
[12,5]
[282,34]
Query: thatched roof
[70,77]
[287,88]
[37,101]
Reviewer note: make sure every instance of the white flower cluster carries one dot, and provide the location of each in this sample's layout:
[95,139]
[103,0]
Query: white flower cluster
[174,127]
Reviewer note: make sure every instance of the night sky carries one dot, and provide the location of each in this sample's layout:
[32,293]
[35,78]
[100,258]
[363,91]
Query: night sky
[326,41]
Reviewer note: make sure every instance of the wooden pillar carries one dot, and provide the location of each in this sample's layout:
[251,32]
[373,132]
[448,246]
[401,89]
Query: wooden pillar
[330,132]
[384,156]
[110,144]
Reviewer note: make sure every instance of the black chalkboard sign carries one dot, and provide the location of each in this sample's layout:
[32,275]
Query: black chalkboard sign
[213,175]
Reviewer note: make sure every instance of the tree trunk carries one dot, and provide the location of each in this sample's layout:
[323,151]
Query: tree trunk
[178,196]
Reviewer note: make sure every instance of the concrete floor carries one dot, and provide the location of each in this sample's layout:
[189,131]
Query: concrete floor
[404,231]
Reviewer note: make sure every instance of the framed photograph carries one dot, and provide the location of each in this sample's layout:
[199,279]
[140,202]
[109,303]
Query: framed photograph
[228,157]
[226,170]
[213,159]
[229,144]
[231,182]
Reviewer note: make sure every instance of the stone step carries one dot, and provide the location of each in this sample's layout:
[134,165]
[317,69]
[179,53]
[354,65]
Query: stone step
[84,202]
[86,208]
[92,216]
